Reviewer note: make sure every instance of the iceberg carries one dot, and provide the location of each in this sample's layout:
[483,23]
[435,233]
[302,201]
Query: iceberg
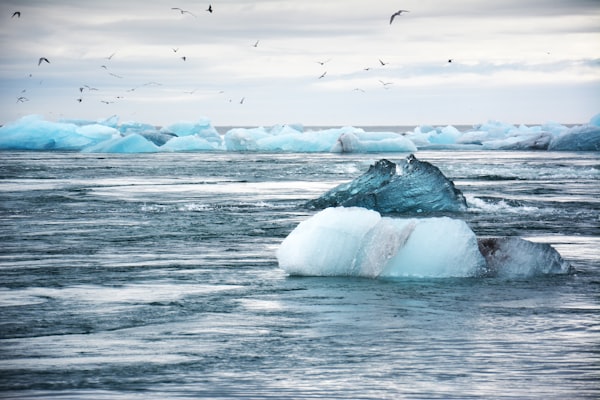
[514,257]
[354,241]
[133,143]
[411,186]
[359,242]
[33,133]
[578,138]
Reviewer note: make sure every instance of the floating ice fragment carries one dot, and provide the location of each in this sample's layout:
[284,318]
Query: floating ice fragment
[410,186]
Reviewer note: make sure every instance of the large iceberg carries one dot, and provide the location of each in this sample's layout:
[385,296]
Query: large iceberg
[34,133]
[359,242]
[335,140]
[411,186]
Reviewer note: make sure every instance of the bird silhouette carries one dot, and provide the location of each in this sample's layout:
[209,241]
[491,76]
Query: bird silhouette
[22,99]
[323,75]
[450,60]
[397,13]
[16,14]
[382,63]
[256,44]
[242,100]
[182,11]
[209,9]
[323,62]
[175,50]
[43,59]
[111,56]
[184,58]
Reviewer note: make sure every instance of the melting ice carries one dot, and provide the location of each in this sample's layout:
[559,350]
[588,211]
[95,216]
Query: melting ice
[355,241]
[108,136]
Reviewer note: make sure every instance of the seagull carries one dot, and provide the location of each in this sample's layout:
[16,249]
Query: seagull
[43,59]
[209,9]
[115,75]
[22,99]
[256,44]
[450,60]
[242,100]
[182,11]
[399,12]
[358,90]
[16,14]
[175,50]
[323,62]
[367,69]
[382,63]
[111,56]
[323,75]
[385,84]
[79,100]
[184,58]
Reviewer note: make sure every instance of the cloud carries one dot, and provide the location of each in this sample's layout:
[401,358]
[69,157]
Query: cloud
[492,44]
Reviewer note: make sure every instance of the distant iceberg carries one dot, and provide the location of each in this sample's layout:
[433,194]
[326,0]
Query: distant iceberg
[361,243]
[410,186]
[34,133]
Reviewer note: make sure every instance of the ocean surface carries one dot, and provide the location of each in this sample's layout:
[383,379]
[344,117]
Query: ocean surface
[155,277]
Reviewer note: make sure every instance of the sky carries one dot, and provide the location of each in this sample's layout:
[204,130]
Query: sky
[313,62]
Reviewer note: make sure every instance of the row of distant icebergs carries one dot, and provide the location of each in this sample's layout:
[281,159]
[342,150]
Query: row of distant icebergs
[32,132]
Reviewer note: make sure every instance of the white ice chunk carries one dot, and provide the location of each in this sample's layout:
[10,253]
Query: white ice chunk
[359,242]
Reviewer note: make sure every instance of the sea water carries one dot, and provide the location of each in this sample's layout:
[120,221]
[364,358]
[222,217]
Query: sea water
[154,276]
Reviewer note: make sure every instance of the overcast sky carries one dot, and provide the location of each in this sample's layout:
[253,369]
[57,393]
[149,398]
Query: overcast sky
[517,61]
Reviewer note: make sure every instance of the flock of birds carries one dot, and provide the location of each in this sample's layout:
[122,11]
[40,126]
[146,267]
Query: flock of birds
[41,60]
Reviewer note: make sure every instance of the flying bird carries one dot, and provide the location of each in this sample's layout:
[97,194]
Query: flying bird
[450,60]
[43,59]
[184,58]
[242,100]
[209,9]
[323,62]
[111,56]
[16,14]
[175,50]
[182,11]
[256,44]
[382,63]
[399,12]
[323,75]
[22,99]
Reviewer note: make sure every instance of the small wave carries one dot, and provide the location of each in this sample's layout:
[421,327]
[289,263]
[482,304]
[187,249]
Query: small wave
[493,205]
[202,207]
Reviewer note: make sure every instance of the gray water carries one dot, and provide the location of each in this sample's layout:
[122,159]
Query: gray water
[154,276]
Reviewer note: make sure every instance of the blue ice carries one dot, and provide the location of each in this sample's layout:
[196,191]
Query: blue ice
[34,133]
